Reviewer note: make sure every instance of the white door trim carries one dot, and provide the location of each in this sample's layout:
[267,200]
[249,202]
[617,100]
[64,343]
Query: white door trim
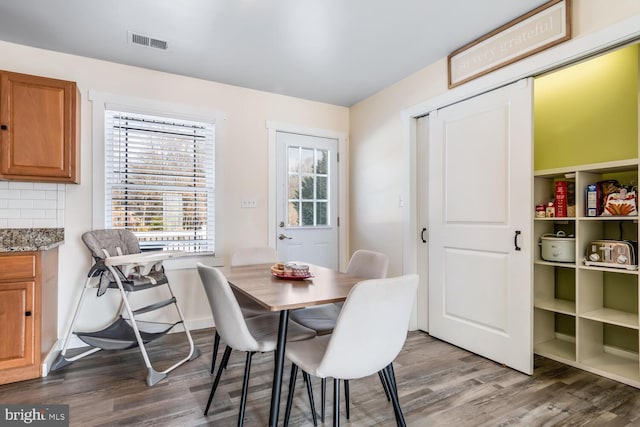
[343,179]
[565,53]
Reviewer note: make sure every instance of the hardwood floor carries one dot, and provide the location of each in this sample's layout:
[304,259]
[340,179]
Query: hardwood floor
[439,385]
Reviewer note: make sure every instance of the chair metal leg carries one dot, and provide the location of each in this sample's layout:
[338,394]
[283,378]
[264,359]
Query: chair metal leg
[245,386]
[310,394]
[216,344]
[384,385]
[323,397]
[336,402]
[225,358]
[393,376]
[390,377]
[276,386]
[386,379]
[346,396]
[292,386]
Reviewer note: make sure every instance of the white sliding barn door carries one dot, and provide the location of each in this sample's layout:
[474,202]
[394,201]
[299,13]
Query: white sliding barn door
[480,210]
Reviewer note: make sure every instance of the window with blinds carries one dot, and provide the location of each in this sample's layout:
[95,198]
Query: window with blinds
[159,175]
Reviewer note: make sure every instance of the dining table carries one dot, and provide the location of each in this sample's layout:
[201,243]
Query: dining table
[282,294]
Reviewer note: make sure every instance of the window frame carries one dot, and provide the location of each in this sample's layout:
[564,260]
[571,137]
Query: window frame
[104,101]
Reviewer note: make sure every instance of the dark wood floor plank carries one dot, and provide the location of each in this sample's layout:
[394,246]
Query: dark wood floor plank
[439,385]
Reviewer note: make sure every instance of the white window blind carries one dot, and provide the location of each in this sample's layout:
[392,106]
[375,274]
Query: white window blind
[159,176]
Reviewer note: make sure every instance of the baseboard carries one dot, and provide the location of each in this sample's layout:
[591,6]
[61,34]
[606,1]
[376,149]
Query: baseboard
[50,358]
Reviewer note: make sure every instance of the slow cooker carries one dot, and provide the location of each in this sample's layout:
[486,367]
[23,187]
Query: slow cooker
[558,247]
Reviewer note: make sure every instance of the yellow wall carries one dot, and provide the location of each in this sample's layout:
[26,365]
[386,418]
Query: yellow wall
[588,112]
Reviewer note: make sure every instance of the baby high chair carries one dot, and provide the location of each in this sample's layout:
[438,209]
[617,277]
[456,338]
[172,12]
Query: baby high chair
[121,266]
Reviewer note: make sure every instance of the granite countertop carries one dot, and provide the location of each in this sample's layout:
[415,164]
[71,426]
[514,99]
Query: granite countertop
[30,239]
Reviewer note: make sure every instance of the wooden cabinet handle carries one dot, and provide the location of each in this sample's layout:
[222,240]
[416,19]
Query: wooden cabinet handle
[4,127]
[27,313]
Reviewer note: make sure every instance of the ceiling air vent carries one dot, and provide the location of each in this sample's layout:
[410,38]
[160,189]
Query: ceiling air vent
[147,41]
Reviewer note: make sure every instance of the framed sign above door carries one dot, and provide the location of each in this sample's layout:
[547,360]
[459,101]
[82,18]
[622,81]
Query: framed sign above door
[535,31]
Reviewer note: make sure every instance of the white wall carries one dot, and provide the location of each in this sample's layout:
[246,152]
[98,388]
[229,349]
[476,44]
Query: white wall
[377,138]
[242,155]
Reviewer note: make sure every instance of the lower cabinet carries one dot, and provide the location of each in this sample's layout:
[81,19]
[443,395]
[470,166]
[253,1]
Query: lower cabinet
[28,312]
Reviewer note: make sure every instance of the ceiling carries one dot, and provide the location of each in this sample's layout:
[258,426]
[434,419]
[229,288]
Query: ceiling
[334,51]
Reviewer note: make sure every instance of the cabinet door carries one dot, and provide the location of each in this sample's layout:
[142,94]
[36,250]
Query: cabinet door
[39,124]
[17,346]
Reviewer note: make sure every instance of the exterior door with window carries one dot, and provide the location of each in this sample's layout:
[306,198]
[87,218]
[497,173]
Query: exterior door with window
[307,195]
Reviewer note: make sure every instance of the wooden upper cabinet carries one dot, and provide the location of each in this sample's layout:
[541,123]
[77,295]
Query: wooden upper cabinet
[39,129]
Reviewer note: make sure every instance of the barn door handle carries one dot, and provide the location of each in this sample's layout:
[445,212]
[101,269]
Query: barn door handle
[515,240]
[422,235]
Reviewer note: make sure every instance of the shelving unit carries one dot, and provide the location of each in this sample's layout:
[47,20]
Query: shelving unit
[587,316]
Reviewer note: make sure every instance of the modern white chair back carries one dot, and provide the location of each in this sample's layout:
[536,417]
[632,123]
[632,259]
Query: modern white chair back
[249,308]
[371,328]
[368,264]
[322,318]
[256,334]
[368,335]
[227,316]
[253,255]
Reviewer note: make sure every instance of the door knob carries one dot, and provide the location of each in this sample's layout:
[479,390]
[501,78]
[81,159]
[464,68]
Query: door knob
[282,237]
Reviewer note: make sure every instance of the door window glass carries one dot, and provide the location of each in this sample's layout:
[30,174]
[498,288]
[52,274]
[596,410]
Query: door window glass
[308,187]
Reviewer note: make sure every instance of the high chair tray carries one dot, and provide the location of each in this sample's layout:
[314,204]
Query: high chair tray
[142,262]
[142,258]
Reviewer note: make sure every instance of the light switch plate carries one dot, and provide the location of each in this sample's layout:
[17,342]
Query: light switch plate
[248,203]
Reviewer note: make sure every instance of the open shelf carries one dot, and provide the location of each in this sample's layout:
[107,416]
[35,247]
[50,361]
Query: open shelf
[587,316]
[616,365]
[557,349]
[556,264]
[554,334]
[557,305]
[614,317]
[608,269]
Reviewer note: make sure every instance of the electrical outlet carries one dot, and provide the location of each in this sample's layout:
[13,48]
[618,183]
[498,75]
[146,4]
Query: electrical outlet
[248,203]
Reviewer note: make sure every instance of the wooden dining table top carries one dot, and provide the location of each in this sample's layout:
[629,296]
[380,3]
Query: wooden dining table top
[276,294]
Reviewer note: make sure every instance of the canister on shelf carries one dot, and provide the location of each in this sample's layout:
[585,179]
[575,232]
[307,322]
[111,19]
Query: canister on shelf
[540,211]
[550,211]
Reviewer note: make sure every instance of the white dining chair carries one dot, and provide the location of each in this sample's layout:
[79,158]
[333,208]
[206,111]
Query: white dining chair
[249,308]
[251,335]
[369,334]
[363,263]
[322,318]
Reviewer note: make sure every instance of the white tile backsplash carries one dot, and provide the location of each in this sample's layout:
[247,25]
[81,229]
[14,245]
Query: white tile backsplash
[31,205]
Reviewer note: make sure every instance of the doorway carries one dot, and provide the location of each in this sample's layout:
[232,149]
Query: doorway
[308,194]
[306,199]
